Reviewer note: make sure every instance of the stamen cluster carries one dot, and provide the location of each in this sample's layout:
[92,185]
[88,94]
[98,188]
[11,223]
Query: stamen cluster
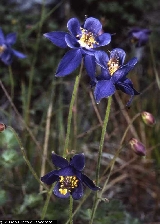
[67,184]
[87,39]
[113,65]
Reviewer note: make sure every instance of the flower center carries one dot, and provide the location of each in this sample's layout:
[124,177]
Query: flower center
[67,184]
[2,48]
[113,65]
[87,39]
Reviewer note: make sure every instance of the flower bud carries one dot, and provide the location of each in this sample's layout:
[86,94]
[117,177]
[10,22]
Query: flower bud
[137,147]
[148,118]
[2,127]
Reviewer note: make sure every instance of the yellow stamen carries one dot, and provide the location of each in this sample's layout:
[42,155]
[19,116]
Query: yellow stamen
[113,65]
[2,48]
[87,39]
[63,191]
[67,184]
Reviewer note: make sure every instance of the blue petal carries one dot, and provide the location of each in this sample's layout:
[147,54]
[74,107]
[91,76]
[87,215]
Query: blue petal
[78,161]
[11,38]
[57,38]
[121,73]
[18,54]
[130,101]
[57,192]
[77,192]
[93,25]
[127,87]
[71,41]
[2,37]
[7,56]
[119,54]
[141,33]
[74,27]
[104,75]
[69,62]
[50,177]
[90,52]
[89,183]
[102,59]
[90,65]
[59,161]
[103,39]
[67,171]
[104,88]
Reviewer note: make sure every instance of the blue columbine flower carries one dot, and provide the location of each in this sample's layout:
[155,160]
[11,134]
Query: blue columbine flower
[83,40]
[69,177]
[139,36]
[6,51]
[113,75]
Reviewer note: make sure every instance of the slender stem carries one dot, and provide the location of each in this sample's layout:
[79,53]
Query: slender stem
[100,154]
[25,157]
[33,63]
[154,64]
[74,94]
[71,210]
[102,137]
[80,205]
[46,140]
[47,203]
[111,165]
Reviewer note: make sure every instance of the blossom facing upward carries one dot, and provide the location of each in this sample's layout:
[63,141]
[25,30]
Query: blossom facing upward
[113,75]
[83,40]
[6,51]
[139,36]
[69,177]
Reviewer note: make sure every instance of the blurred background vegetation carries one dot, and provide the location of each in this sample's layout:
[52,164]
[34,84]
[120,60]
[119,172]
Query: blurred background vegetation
[39,108]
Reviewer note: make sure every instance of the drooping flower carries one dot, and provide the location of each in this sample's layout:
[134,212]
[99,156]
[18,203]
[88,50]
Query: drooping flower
[113,75]
[83,40]
[139,36]
[137,147]
[6,51]
[148,118]
[69,177]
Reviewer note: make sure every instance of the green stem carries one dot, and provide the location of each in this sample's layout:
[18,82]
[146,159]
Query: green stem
[102,137]
[100,154]
[80,205]
[154,64]
[33,63]
[71,210]
[74,94]
[111,165]
[47,203]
